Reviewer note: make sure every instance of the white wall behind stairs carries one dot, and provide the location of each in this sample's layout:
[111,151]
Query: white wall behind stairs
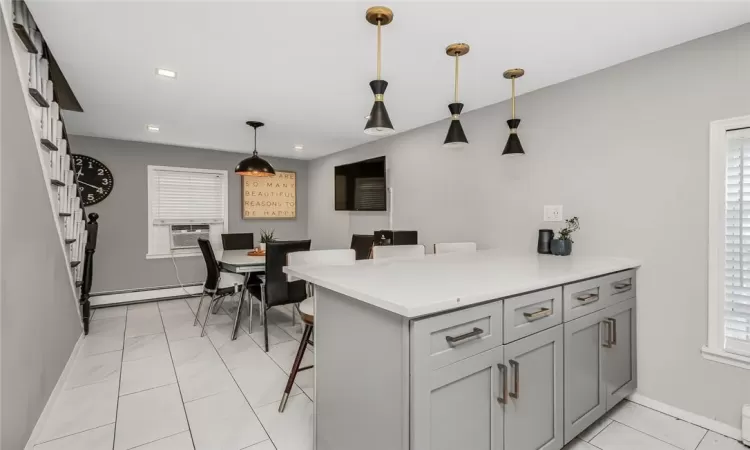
[39,322]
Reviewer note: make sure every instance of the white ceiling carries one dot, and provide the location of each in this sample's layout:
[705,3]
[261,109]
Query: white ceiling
[304,68]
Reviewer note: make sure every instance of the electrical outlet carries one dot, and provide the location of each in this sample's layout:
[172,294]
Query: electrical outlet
[553,213]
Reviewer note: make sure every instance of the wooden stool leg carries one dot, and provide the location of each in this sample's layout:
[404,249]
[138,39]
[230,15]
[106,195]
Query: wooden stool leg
[295,367]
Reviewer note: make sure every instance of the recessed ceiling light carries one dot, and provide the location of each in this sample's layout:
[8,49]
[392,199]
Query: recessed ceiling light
[299,147]
[166,73]
[152,128]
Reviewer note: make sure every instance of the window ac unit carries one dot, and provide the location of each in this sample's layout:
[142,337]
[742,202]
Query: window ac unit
[186,236]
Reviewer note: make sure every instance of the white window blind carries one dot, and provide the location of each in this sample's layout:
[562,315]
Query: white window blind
[187,197]
[736,308]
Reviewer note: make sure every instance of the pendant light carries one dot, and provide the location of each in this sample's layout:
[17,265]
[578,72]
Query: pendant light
[255,166]
[456,137]
[378,123]
[513,146]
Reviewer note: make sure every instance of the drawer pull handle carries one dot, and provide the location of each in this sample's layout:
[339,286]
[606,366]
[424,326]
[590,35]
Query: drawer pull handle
[504,381]
[588,298]
[608,340]
[516,379]
[613,327]
[623,286]
[475,332]
[544,312]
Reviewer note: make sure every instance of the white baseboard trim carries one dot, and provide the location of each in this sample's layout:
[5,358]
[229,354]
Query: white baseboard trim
[695,419]
[54,395]
[118,298]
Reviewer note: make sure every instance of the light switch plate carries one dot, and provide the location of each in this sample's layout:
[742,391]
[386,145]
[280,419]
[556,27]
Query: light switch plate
[553,213]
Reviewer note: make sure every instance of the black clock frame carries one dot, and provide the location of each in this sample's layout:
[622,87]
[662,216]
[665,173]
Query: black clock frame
[82,189]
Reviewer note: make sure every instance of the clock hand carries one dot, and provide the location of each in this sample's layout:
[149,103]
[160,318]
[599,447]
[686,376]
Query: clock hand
[89,185]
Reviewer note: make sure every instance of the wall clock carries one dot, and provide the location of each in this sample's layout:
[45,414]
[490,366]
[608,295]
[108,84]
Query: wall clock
[95,180]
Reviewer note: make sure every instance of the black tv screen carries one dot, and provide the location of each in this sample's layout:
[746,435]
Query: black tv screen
[361,186]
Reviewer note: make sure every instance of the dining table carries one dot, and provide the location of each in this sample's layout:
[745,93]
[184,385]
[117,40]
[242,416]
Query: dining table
[239,262]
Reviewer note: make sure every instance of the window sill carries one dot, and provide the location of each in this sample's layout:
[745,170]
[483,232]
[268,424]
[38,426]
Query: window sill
[168,255]
[723,357]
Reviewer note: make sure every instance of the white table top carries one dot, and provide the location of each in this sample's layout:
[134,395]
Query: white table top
[239,258]
[432,284]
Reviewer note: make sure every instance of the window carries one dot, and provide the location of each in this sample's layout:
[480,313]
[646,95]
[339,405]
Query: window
[729,243]
[184,200]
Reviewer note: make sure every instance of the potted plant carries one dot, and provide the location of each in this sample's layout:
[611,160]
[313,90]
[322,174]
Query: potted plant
[563,244]
[266,236]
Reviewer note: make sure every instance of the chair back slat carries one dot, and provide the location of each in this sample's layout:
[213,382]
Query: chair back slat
[362,245]
[343,257]
[397,251]
[278,290]
[238,241]
[212,265]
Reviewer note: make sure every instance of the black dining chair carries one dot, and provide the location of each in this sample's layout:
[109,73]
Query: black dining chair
[218,284]
[362,245]
[238,241]
[275,290]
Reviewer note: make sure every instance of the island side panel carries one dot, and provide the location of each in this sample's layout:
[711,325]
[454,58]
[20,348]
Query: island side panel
[361,375]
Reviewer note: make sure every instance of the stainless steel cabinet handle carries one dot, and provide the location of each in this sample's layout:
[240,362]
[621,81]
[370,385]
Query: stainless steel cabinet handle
[475,332]
[623,286]
[608,341]
[536,315]
[588,298]
[613,328]
[504,374]
[516,378]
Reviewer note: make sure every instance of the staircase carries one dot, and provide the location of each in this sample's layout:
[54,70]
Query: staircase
[77,237]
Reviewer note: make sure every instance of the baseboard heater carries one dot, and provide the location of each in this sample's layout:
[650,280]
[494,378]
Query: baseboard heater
[141,295]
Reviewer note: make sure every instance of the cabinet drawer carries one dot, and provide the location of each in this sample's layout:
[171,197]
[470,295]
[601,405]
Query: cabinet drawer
[451,337]
[595,294]
[530,313]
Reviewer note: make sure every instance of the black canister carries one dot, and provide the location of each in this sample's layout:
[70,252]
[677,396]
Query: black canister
[545,237]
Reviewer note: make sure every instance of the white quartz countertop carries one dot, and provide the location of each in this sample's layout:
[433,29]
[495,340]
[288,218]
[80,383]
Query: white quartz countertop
[432,284]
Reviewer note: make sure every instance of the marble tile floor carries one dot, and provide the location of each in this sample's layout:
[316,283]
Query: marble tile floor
[144,379]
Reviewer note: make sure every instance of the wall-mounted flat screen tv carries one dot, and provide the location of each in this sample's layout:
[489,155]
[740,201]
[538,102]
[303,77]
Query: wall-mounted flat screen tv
[360,186]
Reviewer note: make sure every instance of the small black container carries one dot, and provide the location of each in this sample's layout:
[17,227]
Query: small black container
[545,237]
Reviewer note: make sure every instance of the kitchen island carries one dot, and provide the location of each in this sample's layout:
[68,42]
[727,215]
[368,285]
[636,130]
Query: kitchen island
[470,351]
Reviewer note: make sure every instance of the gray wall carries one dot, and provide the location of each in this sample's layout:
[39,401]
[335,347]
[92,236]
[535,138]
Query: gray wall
[40,325]
[626,150]
[120,260]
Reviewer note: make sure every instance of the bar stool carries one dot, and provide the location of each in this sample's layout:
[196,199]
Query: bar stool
[306,308]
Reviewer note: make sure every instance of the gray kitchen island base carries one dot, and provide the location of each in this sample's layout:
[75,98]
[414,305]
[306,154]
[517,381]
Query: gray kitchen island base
[361,375]
[525,371]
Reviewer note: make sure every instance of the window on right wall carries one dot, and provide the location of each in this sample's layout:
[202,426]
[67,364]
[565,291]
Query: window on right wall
[729,243]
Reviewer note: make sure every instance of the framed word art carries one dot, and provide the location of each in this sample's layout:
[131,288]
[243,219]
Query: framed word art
[270,197]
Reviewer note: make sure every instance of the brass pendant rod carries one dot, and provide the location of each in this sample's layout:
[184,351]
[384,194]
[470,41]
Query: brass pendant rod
[378,49]
[513,96]
[455,93]
[255,143]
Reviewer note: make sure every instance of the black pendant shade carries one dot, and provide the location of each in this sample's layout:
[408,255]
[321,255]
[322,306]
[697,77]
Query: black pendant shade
[379,123]
[513,146]
[456,136]
[255,166]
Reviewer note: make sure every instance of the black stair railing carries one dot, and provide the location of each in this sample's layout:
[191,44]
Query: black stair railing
[92,227]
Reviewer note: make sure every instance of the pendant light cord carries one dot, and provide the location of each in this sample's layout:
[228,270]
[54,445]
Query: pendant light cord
[255,141]
[378,49]
[455,90]
[513,96]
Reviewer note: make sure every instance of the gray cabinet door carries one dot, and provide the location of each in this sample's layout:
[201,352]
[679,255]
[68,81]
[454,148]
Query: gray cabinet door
[585,396]
[620,351]
[534,412]
[457,406]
